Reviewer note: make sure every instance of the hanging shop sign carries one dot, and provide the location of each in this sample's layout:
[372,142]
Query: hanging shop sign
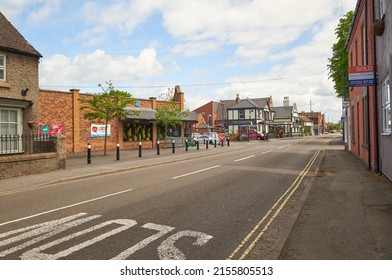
[98,130]
[361,76]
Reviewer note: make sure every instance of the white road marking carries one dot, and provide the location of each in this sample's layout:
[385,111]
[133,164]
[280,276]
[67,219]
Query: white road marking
[198,171]
[244,158]
[37,254]
[266,152]
[167,250]
[65,207]
[162,230]
[285,146]
[37,234]
[41,231]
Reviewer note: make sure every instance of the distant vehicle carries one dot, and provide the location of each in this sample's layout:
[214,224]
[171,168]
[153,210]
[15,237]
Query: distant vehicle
[251,134]
[211,137]
[202,138]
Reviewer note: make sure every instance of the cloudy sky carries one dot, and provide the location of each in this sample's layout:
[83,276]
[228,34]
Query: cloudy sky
[212,49]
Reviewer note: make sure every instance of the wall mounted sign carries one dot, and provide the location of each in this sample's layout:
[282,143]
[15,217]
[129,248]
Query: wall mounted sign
[361,76]
[98,130]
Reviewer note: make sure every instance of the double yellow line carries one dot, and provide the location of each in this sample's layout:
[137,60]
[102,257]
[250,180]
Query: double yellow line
[272,213]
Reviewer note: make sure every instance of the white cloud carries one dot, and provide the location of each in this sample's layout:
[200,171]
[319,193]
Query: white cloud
[294,35]
[123,16]
[37,10]
[98,67]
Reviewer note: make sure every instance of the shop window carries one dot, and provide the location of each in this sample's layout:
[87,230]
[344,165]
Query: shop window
[171,132]
[137,132]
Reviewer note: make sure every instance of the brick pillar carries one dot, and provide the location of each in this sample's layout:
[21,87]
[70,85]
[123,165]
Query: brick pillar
[179,97]
[154,132]
[75,120]
[61,150]
[153,102]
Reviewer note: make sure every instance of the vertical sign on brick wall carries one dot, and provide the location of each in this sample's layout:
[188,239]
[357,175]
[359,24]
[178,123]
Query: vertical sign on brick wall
[360,76]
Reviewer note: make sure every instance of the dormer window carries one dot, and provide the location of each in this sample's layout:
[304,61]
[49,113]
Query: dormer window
[2,68]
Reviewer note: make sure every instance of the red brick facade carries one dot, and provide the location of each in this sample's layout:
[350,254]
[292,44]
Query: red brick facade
[362,122]
[56,107]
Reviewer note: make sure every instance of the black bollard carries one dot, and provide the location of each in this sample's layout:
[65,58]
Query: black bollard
[223,141]
[174,146]
[197,144]
[118,151]
[158,149]
[206,144]
[88,153]
[215,143]
[140,149]
[186,145]
[228,141]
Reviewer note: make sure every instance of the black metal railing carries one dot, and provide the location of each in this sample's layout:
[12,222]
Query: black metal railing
[26,144]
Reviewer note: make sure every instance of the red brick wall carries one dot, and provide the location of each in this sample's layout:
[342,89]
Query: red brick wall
[356,49]
[205,110]
[57,107]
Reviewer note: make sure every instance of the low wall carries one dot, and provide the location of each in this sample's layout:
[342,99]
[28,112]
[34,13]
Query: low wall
[17,165]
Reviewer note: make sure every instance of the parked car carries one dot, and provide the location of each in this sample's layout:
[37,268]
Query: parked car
[254,134]
[251,134]
[211,137]
[202,138]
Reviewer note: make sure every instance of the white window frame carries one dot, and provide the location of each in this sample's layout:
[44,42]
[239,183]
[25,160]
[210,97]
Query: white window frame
[381,8]
[386,107]
[16,145]
[3,67]
[241,114]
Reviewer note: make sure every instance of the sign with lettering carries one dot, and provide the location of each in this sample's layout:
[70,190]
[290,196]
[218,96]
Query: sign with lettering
[98,130]
[361,76]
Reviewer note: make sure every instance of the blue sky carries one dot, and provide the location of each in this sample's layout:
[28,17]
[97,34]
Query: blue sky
[212,49]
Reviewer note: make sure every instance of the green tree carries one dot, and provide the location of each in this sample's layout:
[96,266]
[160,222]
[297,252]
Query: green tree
[169,115]
[106,106]
[338,63]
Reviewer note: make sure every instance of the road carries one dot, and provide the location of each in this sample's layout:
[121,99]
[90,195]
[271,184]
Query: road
[236,205]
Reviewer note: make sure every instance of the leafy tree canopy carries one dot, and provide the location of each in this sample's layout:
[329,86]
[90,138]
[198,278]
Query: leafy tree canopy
[169,115]
[338,63]
[106,106]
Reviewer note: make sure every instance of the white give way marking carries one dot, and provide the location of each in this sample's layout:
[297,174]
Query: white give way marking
[31,235]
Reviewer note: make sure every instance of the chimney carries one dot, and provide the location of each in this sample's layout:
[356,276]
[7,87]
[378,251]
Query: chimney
[153,101]
[286,101]
[179,97]
[237,98]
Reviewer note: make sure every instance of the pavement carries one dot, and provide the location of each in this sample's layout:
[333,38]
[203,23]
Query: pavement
[346,211]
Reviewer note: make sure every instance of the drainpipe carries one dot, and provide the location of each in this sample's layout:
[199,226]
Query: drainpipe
[367,88]
[377,167]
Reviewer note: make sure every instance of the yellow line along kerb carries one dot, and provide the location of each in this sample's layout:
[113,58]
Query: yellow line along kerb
[290,190]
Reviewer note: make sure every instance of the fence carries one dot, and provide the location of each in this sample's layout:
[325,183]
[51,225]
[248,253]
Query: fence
[26,144]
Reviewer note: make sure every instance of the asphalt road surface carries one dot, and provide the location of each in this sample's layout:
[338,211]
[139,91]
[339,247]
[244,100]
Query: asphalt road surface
[236,205]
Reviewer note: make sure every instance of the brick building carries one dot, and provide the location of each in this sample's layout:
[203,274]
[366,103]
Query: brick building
[363,125]
[383,31]
[62,110]
[18,81]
